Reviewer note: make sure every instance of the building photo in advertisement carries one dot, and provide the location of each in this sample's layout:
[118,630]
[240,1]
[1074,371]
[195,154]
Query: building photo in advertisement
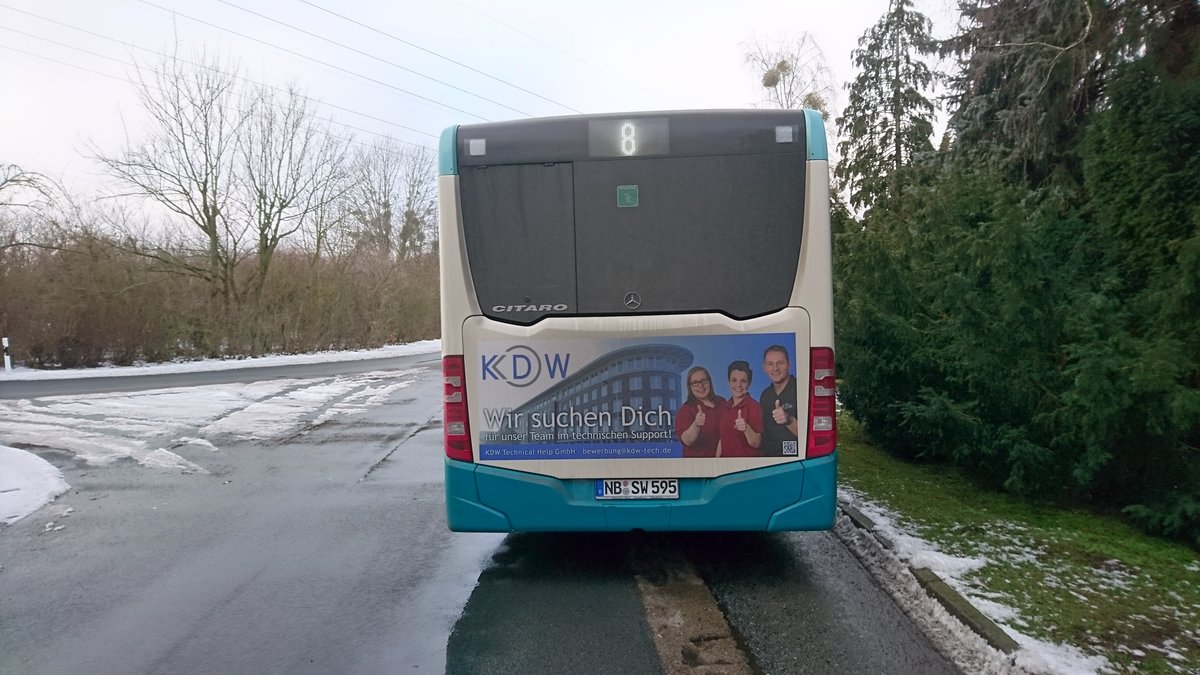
[639,398]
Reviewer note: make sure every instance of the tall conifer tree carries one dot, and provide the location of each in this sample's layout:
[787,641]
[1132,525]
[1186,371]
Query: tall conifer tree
[888,120]
[1030,72]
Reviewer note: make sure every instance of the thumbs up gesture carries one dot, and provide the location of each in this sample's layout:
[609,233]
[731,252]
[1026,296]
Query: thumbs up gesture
[739,423]
[778,414]
[700,416]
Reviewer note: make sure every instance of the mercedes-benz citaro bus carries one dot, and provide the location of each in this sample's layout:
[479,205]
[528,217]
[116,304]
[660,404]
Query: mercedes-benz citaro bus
[637,323]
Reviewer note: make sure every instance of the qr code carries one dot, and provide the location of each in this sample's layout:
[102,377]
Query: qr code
[789,447]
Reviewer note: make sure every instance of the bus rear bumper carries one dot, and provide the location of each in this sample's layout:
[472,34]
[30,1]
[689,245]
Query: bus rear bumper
[792,496]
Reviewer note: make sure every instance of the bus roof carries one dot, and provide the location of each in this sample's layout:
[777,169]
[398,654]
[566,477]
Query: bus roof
[657,134]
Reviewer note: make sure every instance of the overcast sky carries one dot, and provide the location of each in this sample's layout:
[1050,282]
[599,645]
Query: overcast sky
[406,68]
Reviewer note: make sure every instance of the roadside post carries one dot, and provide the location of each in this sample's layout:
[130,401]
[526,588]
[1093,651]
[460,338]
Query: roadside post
[7,358]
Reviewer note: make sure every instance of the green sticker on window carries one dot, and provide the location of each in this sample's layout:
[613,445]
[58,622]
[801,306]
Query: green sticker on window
[627,195]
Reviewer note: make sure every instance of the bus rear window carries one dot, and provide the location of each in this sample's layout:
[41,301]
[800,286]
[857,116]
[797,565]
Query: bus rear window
[648,235]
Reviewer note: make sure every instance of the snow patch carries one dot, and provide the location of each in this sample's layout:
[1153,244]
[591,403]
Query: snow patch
[102,428]
[201,442]
[969,651]
[165,459]
[26,483]
[1041,657]
[422,347]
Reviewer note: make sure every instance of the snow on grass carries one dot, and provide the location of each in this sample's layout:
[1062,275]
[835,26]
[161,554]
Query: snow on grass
[967,650]
[1037,656]
[1034,656]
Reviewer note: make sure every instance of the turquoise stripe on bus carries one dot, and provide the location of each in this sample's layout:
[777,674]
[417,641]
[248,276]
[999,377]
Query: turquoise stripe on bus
[783,497]
[464,509]
[448,152]
[818,509]
[814,128]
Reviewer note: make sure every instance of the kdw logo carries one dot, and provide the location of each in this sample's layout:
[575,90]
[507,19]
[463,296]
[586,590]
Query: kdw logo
[521,366]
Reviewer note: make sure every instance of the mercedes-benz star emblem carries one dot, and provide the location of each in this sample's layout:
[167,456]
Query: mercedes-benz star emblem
[633,300]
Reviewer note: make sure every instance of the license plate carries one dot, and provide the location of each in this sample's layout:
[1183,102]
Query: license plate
[638,488]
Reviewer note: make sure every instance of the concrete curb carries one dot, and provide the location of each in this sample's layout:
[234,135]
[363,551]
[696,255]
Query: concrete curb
[939,590]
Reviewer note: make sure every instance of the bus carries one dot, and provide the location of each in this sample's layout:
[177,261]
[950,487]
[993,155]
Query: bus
[637,323]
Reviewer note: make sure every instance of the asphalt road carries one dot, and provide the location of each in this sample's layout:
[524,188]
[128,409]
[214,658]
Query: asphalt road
[325,551]
[797,602]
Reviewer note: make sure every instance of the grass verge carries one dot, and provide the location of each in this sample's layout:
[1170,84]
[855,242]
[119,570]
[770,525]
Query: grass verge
[1071,576]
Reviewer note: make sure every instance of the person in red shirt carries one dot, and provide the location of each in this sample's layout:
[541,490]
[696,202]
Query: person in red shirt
[741,420]
[698,423]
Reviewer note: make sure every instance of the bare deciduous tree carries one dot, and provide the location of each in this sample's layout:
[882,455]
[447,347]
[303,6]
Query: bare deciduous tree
[243,166]
[794,74]
[23,189]
[292,168]
[187,162]
[19,190]
[394,199]
[36,211]
[418,230]
[325,233]
[375,192]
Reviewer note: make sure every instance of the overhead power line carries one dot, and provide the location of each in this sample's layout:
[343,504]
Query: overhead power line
[64,63]
[372,56]
[314,60]
[436,54]
[550,46]
[191,63]
[126,80]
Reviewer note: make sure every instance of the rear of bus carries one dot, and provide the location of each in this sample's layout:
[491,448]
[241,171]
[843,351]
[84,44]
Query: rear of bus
[619,290]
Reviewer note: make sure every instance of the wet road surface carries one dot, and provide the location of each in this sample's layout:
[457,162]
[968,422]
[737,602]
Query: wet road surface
[307,553]
[323,549]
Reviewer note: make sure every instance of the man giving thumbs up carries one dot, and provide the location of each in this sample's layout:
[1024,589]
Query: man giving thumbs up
[778,403]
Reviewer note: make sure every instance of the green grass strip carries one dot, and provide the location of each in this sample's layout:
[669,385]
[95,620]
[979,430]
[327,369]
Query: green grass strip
[1074,577]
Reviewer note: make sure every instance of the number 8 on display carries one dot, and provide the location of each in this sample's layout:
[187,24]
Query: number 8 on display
[628,139]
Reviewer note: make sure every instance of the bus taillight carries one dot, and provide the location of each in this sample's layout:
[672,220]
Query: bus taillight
[822,404]
[458,428]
